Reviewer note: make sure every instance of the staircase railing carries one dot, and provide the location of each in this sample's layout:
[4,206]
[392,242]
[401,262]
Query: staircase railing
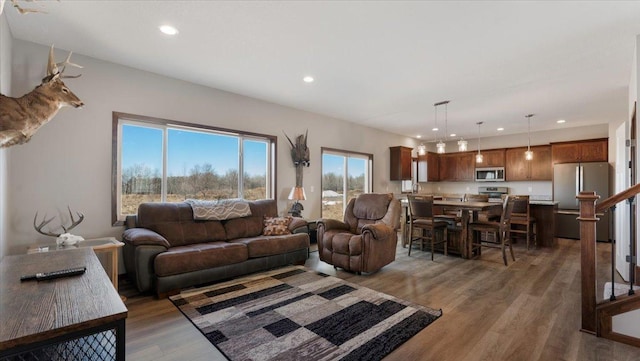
[596,318]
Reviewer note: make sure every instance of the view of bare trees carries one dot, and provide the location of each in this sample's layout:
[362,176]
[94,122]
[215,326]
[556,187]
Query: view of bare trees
[140,183]
[333,190]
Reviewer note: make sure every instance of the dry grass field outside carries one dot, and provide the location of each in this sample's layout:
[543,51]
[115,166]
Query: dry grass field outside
[130,202]
[332,206]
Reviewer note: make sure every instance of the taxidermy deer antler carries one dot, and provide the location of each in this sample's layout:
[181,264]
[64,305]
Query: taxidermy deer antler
[45,221]
[20,118]
[299,151]
[21,10]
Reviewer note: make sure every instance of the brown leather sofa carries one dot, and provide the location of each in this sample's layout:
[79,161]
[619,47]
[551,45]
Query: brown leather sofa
[366,240]
[166,249]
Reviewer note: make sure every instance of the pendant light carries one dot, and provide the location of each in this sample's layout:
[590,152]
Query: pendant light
[479,157]
[528,155]
[440,146]
[462,145]
[422,149]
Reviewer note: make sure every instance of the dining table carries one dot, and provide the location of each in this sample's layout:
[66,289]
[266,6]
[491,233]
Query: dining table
[469,213]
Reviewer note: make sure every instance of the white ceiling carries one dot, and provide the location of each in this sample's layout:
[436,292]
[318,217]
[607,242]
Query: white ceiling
[382,64]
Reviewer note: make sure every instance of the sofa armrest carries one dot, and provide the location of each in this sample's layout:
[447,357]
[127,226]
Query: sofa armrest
[379,230]
[131,221]
[297,223]
[142,236]
[329,224]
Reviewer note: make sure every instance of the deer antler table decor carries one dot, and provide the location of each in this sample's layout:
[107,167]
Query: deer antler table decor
[20,118]
[65,237]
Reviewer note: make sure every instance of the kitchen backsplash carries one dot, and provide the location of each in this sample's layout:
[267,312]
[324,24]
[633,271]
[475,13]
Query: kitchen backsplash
[539,190]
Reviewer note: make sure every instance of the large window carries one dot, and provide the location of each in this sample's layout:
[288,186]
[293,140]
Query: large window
[157,160]
[345,175]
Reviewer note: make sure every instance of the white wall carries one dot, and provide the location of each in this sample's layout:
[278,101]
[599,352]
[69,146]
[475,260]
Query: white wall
[629,323]
[5,88]
[68,162]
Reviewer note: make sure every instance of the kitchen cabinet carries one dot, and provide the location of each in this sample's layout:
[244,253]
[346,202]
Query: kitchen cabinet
[593,150]
[428,167]
[400,163]
[492,158]
[457,167]
[517,168]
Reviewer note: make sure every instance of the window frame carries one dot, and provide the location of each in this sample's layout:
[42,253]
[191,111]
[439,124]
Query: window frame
[347,154]
[119,118]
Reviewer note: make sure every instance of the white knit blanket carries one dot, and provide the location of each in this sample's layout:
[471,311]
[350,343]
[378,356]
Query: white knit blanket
[219,210]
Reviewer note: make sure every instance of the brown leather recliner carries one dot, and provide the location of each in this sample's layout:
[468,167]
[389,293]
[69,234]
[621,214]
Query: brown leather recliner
[366,240]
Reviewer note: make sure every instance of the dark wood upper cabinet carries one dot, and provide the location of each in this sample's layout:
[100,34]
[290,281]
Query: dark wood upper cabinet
[593,150]
[400,163]
[492,158]
[448,167]
[540,167]
[460,166]
[517,168]
[466,166]
[428,167]
[457,166]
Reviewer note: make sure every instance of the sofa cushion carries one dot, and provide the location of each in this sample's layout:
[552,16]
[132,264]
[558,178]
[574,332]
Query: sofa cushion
[276,226]
[196,257]
[252,225]
[270,245]
[174,221]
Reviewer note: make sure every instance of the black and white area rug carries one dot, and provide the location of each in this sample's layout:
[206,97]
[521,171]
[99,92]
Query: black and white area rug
[294,313]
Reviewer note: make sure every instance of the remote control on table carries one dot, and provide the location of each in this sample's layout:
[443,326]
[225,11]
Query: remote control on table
[54,274]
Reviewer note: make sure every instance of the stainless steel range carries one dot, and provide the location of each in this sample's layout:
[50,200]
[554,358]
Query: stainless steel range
[495,193]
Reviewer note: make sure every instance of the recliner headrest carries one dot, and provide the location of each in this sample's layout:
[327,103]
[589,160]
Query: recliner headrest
[372,206]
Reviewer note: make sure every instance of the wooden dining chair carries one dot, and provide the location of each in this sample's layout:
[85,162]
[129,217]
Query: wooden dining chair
[484,216]
[522,224]
[421,218]
[502,228]
[448,214]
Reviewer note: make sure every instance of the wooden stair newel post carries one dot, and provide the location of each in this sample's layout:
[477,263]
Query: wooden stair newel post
[588,221]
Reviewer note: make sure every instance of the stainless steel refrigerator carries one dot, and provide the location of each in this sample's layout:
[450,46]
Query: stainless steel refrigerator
[570,179]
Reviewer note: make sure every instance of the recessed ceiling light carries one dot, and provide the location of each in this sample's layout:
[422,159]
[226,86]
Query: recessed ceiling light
[418,136]
[560,121]
[168,29]
[434,129]
[452,135]
[308,79]
[500,129]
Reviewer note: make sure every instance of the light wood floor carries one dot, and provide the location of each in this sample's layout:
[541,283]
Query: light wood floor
[529,310]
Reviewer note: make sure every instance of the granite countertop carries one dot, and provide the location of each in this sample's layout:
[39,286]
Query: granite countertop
[543,203]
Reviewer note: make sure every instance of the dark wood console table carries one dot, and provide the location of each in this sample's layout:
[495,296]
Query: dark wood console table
[73,318]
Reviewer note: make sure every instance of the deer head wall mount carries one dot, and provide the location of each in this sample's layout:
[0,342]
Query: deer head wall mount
[20,118]
[300,151]
[299,155]
[20,9]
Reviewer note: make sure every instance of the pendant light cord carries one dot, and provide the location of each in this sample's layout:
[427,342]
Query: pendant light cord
[479,123]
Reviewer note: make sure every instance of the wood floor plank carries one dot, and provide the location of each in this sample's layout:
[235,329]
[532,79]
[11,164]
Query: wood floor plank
[528,310]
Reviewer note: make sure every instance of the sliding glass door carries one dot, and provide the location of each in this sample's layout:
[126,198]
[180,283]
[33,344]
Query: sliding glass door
[345,175]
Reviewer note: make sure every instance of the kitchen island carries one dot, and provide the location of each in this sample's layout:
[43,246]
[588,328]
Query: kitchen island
[544,213]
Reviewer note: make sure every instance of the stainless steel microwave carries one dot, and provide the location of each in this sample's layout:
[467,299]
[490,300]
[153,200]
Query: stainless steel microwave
[495,174]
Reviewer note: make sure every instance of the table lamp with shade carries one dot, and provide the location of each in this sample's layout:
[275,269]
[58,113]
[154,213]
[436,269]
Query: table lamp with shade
[297,194]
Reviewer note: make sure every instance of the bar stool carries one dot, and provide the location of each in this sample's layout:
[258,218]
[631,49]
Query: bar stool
[421,217]
[502,228]
[522,224]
